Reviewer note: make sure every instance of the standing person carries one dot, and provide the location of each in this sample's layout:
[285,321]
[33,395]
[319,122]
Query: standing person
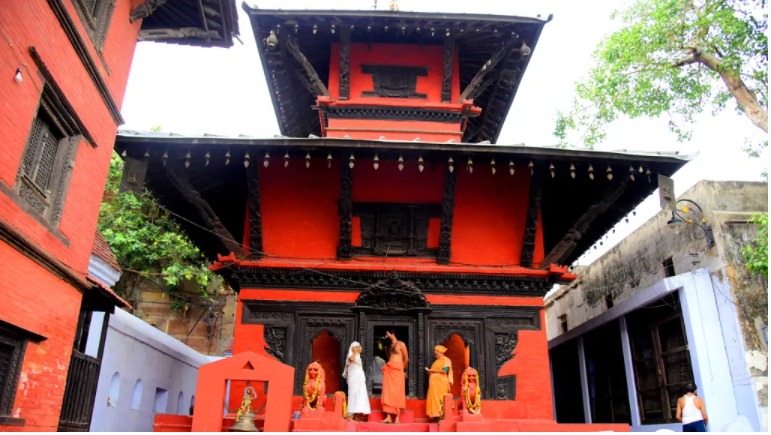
[439,382]
[393,395]
[691,410]
[358,401]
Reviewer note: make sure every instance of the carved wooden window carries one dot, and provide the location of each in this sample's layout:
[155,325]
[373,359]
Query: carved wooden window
[46,165]
[395,229]
[394,81]
[13,343]
[95,15]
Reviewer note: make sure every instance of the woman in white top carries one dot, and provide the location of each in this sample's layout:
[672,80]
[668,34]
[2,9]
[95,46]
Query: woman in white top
[692,411]
[358,402]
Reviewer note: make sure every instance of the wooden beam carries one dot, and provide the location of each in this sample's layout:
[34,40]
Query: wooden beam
[448,60]
[531,219]
[291,45]
[255,213]
[568,244]
[345,63]
[180,180]
[473,89]
[145,9]
[445,227]
[345,209]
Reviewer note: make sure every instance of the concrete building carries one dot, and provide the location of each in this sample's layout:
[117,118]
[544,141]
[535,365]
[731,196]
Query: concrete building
[663,308]
[144,372]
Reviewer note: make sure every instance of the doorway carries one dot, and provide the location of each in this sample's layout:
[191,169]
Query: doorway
[379,352]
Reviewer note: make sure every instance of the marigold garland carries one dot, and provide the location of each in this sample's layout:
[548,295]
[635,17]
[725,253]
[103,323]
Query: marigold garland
[309,400]
[476,407]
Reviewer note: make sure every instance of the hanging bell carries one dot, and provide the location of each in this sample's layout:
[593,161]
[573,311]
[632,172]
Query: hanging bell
[245,423]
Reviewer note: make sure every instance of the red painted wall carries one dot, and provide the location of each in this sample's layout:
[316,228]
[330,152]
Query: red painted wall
[490,213]
[32,298]
[392,54]
[37,301]
[299,208]
[429,56]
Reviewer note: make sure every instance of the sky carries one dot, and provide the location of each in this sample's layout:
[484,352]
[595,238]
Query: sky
[193,91]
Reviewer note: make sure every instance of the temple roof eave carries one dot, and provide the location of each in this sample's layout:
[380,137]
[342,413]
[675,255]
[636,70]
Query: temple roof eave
[127,140]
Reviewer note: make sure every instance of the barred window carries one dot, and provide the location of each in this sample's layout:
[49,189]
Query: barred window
[95,15]
[13,344]
[47,161]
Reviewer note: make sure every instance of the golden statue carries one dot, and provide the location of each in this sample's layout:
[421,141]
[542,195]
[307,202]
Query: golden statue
[472,396]
[314,388]
[245,415]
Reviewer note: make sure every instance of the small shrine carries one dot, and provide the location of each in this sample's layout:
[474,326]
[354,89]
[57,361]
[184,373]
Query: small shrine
[386,204]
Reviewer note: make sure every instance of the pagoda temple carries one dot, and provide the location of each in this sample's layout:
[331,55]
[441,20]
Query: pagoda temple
[387,204]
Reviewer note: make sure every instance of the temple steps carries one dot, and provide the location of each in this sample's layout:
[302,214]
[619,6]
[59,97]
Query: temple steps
[401,427]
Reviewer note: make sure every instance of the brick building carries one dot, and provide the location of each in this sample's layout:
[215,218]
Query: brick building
[64,65]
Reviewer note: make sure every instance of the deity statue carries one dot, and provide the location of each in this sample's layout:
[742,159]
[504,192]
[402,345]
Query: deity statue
[472,396]
[314,388]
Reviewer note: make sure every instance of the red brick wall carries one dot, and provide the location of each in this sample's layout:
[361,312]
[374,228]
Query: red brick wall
[33,24]
[32,298]
[39,302]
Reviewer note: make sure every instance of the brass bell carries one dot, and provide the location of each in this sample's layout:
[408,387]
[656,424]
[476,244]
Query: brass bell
[244,423]
[245,415]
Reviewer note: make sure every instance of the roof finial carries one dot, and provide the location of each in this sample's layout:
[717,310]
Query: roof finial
[394,6]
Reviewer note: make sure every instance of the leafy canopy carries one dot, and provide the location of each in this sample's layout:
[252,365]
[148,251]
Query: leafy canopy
[675,58]
[756,254]
[146,239]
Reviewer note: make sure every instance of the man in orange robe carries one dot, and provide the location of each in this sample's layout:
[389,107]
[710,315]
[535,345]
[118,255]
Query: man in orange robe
[439,381]
[393,395]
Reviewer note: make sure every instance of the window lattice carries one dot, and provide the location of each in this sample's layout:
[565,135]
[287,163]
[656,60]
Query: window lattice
[46,163]
[38,126]
[32,198]
[45,170]
[6,353]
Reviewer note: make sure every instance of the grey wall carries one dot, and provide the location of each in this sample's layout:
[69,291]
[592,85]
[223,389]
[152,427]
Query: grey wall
[134,350]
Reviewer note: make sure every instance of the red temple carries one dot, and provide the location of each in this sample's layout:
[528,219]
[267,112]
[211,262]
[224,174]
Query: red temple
[385,204]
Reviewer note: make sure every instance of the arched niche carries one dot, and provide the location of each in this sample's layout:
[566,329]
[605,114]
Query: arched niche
[114,392]
[136,395]
[458,352]
[326,349]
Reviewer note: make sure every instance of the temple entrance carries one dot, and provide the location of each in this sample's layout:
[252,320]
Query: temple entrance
[458,352]
[327,350]
[379,353]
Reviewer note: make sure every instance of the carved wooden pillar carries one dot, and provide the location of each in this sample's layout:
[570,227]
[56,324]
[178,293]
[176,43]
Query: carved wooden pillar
[345,63]
[531,219]
[421,354]
[445,228]
[255,215]
[345,210]
[448,57]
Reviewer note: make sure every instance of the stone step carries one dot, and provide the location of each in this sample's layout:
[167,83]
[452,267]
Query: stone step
[401,427]
[406,416]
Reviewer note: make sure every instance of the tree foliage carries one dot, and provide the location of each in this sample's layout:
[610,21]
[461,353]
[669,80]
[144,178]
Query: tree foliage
[756,253]
[675,58]
[147,241]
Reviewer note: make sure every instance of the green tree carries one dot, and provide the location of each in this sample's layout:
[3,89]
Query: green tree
[148,243]
[675,58]
[756,253]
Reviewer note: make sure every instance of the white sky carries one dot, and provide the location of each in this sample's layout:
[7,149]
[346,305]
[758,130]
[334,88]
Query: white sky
[193,91]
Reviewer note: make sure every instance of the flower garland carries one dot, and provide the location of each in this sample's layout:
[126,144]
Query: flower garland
[345,404]
[476,407]
[314,394]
